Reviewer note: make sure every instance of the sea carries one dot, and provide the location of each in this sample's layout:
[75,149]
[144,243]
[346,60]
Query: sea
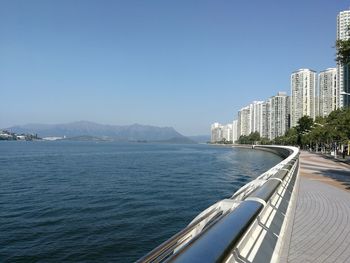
[65,201]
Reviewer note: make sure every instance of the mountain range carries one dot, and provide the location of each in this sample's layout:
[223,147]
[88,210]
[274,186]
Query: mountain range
[135,132]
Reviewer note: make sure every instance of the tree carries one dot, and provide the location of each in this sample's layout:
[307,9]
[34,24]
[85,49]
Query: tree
[338,123]
[323,133]
[254,136]
[343,49]
[243,139]
[304,126]
[291,137]
[250,139]
[265,141]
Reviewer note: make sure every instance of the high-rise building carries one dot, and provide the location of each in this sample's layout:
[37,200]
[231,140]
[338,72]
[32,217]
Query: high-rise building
[234,131]
[279,115]
[221,132]
[328,95]
[252,118]
[244,121]
[303,95]
[266,107]
[216,132]
[227,132]
[343,72]
[256,116]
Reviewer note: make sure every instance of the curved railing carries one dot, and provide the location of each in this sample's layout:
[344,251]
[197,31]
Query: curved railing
[247,227]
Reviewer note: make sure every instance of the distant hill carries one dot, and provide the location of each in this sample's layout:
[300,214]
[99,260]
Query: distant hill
[135,132]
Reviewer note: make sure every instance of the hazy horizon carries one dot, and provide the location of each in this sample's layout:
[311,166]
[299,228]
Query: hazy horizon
[92,122]
[183,64]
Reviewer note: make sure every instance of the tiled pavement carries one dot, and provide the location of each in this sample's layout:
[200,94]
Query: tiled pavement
[321,228]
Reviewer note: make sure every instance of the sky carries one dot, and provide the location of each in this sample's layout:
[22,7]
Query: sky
[183,63]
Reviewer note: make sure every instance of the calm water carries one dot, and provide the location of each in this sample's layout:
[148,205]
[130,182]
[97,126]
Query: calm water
[98,202]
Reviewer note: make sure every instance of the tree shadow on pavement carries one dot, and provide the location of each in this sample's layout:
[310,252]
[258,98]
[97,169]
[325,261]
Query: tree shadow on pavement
[338,160]
[342,176]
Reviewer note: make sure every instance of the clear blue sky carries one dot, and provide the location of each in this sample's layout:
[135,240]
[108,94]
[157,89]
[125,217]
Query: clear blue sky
[184,63]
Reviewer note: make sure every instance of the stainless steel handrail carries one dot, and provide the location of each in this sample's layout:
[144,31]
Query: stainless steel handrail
[217,243]
[174,240]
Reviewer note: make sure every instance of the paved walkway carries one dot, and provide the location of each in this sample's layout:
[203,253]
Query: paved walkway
[321,228]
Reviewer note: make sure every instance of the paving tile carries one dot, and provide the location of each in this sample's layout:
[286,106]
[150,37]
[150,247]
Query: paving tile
[321,227]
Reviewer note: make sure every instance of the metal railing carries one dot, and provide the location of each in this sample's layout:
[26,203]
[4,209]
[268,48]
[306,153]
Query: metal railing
[243,228]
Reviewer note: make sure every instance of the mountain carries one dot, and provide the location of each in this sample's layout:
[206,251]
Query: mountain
[133,132]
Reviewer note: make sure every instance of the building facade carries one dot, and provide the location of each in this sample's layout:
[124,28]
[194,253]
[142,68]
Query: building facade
[343,72]
[234,131]
[222,132]
[216,132]
[266,107]
[303,95]
[244,122]
[256,116]
[279,115]
[227,132]
[328,94]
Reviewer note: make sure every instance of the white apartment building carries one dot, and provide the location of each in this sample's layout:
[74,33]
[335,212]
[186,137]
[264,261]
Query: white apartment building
[279,115]
[266,118]
[244,121]
[227,132]
[256,116]
[303,95]
[221,132]
[234,131]
[253,118]
[328,95]
[270,118]
[343,72]
[216,132]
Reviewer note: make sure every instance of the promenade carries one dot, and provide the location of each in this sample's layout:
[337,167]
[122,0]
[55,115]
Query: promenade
[320,229]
